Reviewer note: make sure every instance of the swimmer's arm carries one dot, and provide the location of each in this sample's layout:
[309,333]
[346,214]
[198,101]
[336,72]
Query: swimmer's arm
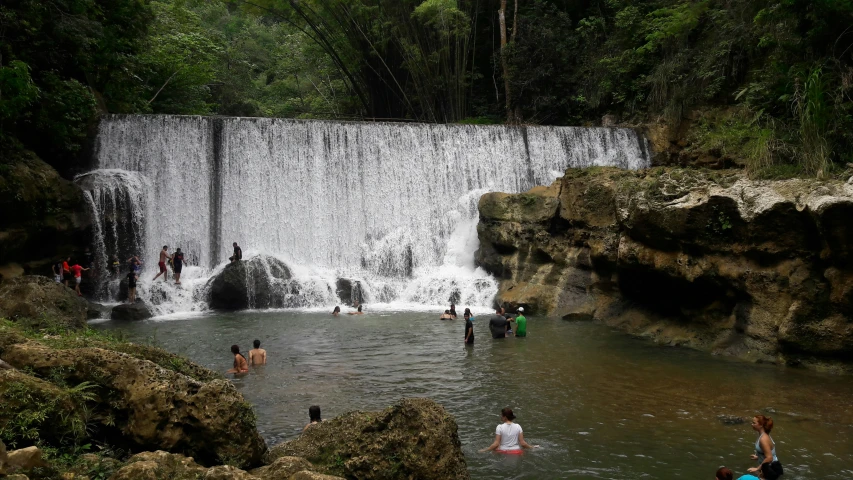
[494,444]
[523,443]
[264,358]
[767,448]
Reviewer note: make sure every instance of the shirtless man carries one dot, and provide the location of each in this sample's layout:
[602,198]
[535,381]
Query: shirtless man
[257,355]
[359,312]
[164,254]
[240,365]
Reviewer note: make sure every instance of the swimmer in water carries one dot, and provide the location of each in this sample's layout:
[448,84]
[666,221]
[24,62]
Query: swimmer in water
[240,363]
[445,316]
[509,438]
[314,415]
[336,311]
[724,473]
[359,312]
[257,355]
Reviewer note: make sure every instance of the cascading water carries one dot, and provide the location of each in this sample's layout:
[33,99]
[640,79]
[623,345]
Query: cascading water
[392,206]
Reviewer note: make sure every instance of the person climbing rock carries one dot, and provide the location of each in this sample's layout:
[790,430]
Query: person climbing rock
[77,270]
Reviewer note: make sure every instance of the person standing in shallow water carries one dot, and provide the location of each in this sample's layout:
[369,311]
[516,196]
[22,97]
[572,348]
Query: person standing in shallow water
[238,253]
[509,437]
[314,416]
[240,363]
[765,448]
[520,323]
[469,329]
[498,324]
[257,355]
[164,254]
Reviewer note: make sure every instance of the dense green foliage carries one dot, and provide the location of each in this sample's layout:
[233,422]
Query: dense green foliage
[780,70]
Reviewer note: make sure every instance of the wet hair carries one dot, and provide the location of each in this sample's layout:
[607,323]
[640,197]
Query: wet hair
[447,312]
[165,247]
[235,349]
[359,308]
[314,413]
[507,413]
[235,244]
[498,310]
[468,311]
[765,422]
[724,473]
[179,249]
[337,309]
[257,343]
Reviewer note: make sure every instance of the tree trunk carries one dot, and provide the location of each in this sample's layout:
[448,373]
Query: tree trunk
[504,65]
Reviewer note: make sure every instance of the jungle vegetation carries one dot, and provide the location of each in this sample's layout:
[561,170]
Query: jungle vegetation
[777,73]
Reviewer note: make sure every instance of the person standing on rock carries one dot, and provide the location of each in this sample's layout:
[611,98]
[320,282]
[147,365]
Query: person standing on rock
[238,253]
[164,254]
[77,270]
[57,272]
[131,286]
[257,355]
[469,329]
[498,324]
[240,363]
[66,271]
[178,264]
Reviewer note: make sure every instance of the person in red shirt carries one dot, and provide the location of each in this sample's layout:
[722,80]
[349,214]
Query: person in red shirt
[77,270]
[66,271]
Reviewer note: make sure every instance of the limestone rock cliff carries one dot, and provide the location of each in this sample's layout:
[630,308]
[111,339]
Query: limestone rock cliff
[712,260]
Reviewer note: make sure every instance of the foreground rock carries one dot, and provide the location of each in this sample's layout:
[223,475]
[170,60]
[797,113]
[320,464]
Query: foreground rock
[756,269]
[32,300]
[258,282]
[161,465]
[131,312]
[140,405]
[415,438]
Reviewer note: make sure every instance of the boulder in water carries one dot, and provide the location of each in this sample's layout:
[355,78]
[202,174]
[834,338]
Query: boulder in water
[349,291]
[131,312]
[259,282]
[39,301]
[416,438]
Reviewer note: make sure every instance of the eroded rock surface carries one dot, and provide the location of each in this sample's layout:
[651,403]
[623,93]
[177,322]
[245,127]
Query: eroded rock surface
[131,312]
[32,299]
[757,269]
[416,438]
[144,406]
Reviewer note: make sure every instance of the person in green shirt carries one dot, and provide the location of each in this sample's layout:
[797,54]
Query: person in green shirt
[521,323]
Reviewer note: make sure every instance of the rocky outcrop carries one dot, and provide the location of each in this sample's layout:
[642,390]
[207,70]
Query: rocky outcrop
[42,216]
[32,300]
[416,438]
[258,282]
[131,312]
[712,260]
[161,465]
[135,404]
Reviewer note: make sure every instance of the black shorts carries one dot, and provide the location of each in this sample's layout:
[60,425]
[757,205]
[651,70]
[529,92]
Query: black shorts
[177,267]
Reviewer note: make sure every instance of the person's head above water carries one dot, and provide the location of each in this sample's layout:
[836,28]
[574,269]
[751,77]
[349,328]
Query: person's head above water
[724,473]
[468,311]
[178,250]
[498,310]
[467,315]
[314,413]
[235,349]
[165,247]
[507,414]
[760,422]
[337,309]
[447,312]
[257,343]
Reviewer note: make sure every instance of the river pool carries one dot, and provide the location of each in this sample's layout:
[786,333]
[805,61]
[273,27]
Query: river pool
[602,405]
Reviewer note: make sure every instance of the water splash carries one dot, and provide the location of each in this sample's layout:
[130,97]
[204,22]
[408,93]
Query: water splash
[393,206]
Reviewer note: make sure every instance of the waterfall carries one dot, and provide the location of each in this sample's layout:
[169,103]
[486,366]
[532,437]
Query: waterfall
[392,206]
